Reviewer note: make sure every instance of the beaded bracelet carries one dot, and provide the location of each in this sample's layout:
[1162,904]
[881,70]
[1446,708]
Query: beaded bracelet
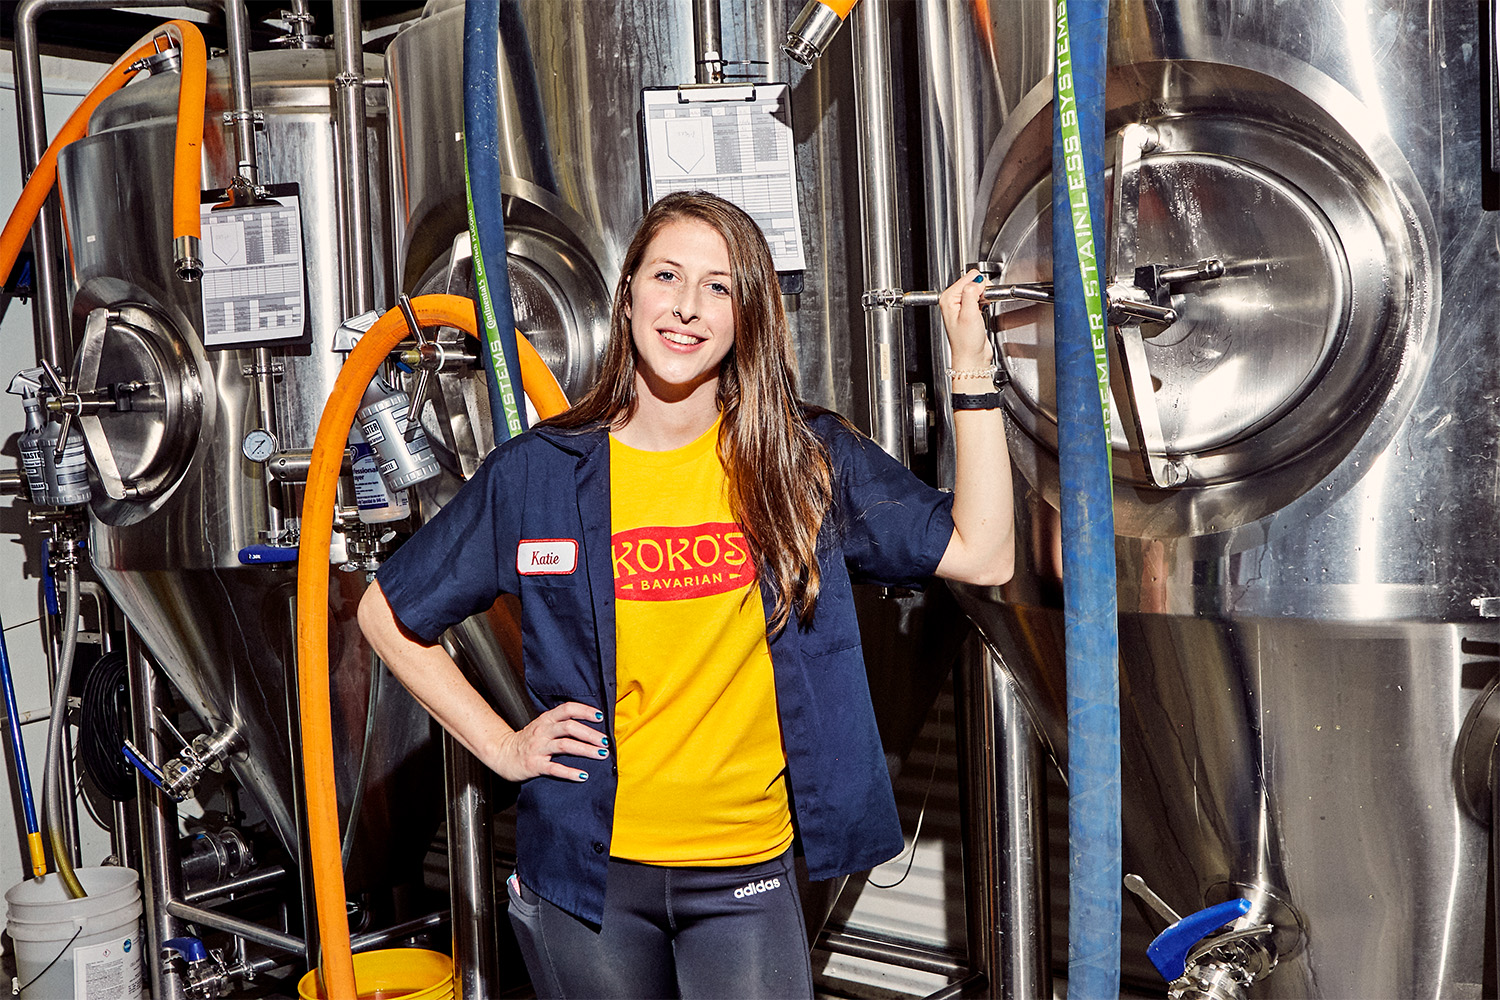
[988,372]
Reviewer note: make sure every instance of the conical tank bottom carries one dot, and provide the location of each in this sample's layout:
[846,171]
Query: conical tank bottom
[225,637]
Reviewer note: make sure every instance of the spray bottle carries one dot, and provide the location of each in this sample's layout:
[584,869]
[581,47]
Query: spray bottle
[51,478]
[27,385]
[377,503]
[382,418]
[67,474]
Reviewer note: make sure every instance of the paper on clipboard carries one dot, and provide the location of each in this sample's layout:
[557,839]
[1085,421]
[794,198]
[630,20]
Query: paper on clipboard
[736,142]
[253,284]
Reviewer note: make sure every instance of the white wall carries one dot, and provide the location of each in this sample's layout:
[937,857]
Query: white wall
[20,547]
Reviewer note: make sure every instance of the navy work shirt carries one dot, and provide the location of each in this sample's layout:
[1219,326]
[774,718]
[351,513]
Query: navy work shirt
[535,521]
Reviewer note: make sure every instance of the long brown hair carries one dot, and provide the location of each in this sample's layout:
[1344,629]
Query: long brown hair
[780,483]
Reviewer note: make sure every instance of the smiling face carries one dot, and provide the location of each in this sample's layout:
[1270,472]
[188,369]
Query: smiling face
[681,312]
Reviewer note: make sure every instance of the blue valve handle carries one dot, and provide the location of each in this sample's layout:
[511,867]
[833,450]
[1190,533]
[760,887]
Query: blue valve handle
[190,948]
[138,760]
[251,555]
[1170,949]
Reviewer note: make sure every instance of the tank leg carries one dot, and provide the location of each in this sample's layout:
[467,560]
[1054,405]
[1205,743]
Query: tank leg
[1004,840]
[161,872]
[471,873]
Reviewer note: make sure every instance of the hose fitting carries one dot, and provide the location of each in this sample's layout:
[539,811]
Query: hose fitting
[814,28]
[187,254]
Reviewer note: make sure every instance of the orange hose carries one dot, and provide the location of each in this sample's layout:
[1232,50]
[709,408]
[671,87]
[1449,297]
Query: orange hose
[39,185]
[312,602]
[187,164]
[537,380]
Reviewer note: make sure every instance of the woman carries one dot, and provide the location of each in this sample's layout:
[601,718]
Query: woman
[687,729]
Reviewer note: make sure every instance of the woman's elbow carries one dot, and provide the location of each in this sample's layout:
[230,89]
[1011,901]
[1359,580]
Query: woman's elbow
[993,573]
[991,568]
[373,609]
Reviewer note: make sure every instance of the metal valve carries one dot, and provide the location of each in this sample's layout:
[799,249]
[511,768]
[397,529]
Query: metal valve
[205,972]
[181,774]
[1215,953]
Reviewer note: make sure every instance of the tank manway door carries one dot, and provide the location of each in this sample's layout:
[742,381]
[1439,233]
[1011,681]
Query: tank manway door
[1295,276]
[138,399]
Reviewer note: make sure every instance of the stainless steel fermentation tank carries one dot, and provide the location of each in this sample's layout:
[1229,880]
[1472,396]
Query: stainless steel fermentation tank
[169,553]
[1304,463]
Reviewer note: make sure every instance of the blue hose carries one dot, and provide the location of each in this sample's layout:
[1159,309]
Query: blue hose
[482,174]
[1094,867]
[18,750]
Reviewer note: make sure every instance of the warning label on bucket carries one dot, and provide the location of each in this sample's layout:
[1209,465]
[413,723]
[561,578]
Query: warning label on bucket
[108,971]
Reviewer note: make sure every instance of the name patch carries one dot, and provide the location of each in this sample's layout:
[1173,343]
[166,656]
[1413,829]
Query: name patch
[546,556]
[672,564]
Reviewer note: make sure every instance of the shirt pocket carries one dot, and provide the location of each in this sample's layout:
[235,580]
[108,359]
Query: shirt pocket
[560,648]
[835,624]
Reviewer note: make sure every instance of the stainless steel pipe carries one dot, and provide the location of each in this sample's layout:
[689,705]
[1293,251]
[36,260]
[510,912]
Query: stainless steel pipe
[161,875]
[377,939]
[353,157]
[239,928]
[886,363]
[1004,837]
[242,110]
[242,118]
[708,43]
[471,873]
[258,879]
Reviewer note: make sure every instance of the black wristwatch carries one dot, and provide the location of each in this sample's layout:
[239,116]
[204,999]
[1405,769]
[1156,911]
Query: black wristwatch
[976,401]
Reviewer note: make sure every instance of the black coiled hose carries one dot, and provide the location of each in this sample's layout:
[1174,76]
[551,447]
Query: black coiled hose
[101,731]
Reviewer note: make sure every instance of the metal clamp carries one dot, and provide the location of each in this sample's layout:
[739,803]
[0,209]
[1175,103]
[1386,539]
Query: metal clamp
[163,61]
[276,367]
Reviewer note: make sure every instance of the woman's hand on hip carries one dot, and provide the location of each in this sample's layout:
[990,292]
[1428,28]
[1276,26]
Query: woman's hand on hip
[563,731]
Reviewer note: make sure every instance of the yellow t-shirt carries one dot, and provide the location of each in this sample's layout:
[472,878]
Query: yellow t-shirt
[698,743]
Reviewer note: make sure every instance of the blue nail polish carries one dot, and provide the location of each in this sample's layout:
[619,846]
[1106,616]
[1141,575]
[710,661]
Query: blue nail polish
[978,277]
[603,753]
[604,740]
[583,776]
[598,716]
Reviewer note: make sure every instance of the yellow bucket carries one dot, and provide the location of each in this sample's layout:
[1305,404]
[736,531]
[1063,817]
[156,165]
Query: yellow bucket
[408,973]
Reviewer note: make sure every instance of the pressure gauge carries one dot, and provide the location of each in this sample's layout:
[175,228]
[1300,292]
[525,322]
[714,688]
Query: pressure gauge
[259,445]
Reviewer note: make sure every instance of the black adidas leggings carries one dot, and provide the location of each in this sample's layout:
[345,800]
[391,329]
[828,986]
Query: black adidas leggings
[672,932]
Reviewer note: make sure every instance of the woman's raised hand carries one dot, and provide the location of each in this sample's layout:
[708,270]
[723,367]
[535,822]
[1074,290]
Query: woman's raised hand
[963,318]
[561,731]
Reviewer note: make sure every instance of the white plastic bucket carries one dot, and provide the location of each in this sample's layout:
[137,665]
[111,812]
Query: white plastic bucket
[92,945]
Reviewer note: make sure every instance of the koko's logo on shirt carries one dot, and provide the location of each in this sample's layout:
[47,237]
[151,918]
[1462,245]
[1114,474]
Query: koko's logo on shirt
[672,564]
